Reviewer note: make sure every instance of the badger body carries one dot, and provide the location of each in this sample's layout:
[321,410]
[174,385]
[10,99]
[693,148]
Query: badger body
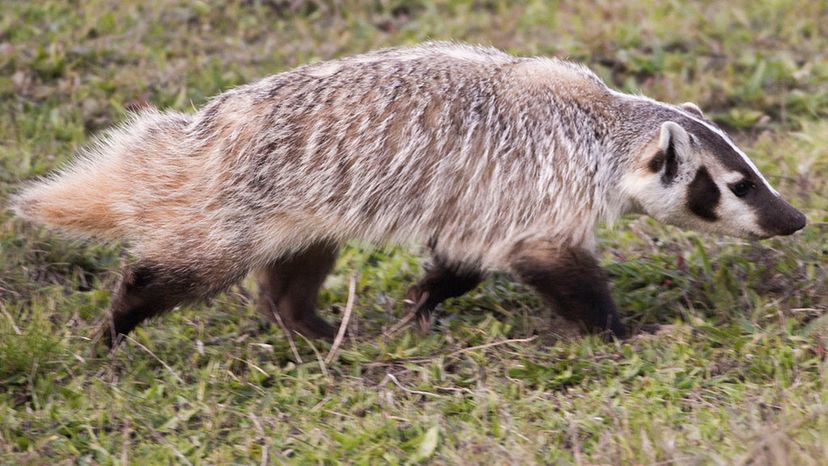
[496,162]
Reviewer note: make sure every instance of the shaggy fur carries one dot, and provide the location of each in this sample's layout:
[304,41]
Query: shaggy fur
[478,153]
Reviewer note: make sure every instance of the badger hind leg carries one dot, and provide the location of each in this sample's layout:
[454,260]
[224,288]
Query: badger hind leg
[443,280]
[570,279]
[147,289]
[289,288]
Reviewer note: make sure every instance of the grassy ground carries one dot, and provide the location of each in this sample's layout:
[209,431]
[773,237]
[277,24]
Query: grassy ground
[739,379]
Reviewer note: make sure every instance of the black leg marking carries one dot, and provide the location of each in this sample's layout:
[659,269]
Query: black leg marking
[441,282]
[572,281]
[289,287]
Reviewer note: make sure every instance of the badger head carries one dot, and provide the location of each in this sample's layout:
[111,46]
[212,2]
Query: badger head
[692,175]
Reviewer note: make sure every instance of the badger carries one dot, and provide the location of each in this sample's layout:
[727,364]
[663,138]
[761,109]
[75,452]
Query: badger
[494,162]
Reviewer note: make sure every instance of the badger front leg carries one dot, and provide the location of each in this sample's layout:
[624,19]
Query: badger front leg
[571,280]
[443,280]
[288,288]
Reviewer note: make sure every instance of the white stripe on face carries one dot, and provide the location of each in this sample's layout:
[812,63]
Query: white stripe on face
[732,177]
[727,139]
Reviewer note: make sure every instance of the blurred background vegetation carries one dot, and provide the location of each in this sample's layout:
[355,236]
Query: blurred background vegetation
[740,378]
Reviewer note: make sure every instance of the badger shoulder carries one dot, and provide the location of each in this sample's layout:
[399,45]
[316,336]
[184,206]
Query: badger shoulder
[437,50]
[426,58]
[558,78]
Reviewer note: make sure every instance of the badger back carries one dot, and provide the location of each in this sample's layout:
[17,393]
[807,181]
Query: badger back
[454,144]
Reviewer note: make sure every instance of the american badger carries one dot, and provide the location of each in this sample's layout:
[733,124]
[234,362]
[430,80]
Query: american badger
[495,162]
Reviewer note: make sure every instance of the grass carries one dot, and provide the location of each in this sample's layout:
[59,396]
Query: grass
[740,378]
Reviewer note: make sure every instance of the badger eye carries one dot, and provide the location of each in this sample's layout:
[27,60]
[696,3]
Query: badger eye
[741,188]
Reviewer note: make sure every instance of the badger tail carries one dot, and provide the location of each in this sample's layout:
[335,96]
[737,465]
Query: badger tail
[100,192]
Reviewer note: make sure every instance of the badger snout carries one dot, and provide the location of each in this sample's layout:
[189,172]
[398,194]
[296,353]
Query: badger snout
[794,223]
[781,219]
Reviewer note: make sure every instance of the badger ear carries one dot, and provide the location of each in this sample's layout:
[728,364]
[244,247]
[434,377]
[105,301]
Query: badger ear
[672,144]
[692,108]
[672,135]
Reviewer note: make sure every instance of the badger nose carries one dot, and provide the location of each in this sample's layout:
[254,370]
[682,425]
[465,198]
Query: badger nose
[798,222]
[778,218]
[795,222]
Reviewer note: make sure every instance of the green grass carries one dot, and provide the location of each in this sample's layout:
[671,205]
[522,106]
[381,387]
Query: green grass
[739,379]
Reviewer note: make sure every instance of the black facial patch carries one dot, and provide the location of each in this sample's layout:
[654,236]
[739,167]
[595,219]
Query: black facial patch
[703,195]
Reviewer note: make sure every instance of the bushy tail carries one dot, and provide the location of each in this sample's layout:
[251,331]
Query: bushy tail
[100,192]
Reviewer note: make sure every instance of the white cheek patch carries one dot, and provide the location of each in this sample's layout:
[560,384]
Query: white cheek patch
[738,218]
[658,201]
